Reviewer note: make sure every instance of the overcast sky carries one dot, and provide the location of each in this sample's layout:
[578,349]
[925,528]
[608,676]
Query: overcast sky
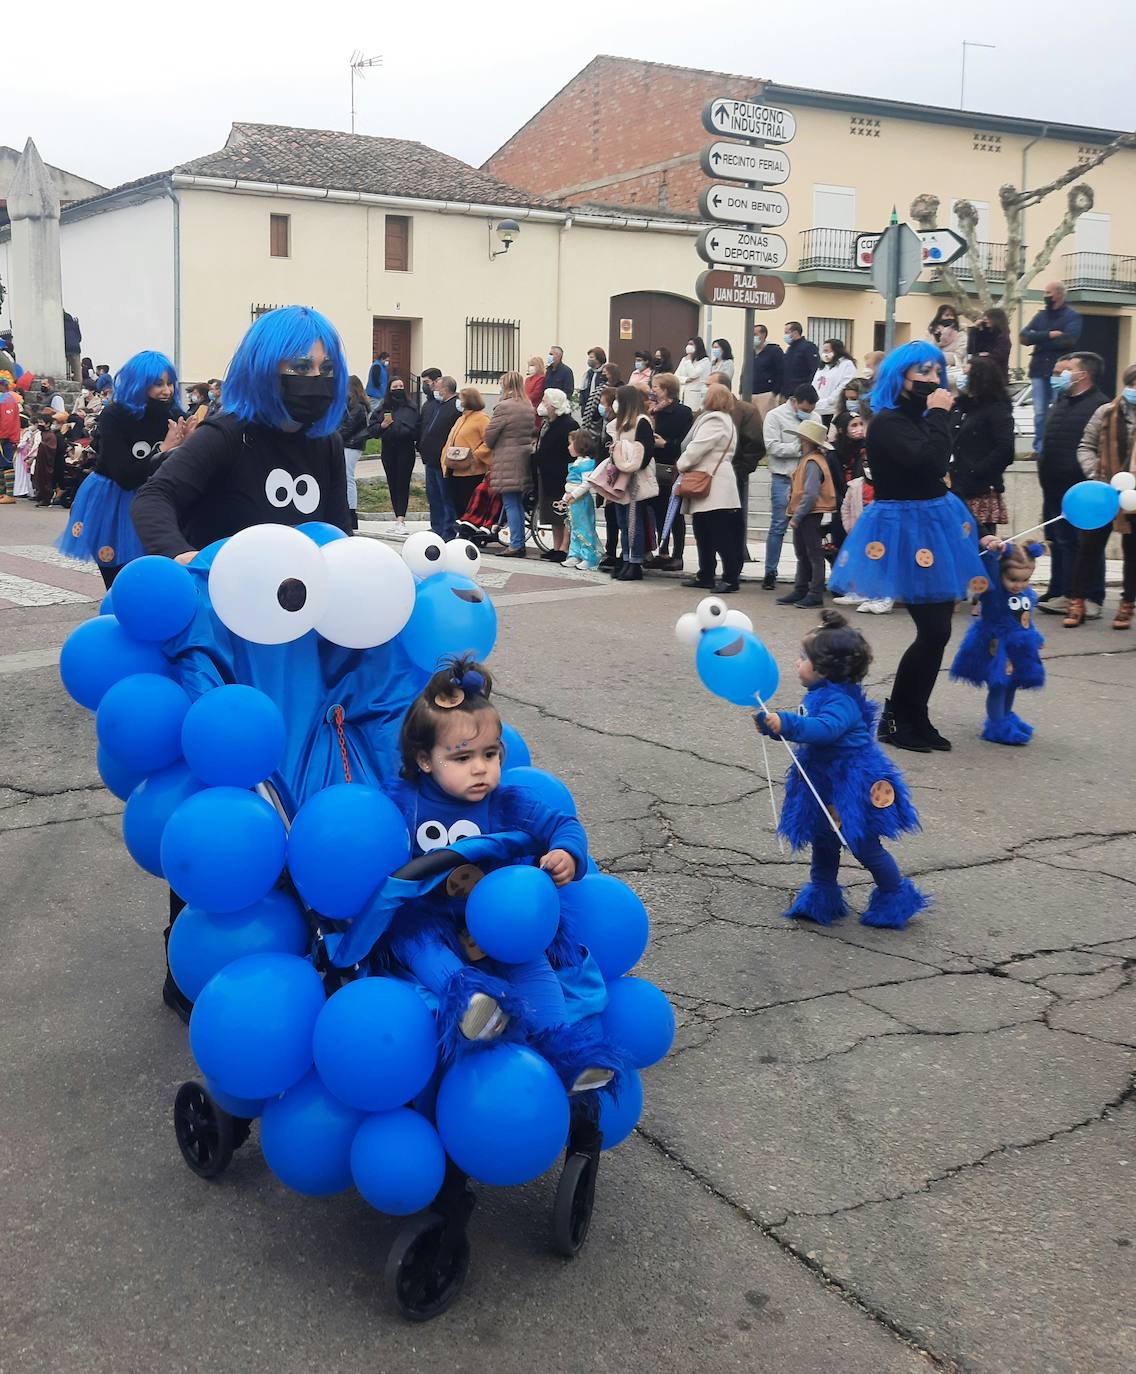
[137,88]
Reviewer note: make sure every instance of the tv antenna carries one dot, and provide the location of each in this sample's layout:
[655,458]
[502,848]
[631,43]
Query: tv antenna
[359,64]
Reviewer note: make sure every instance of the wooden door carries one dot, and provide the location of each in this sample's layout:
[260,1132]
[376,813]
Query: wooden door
[393,337]
[649,320]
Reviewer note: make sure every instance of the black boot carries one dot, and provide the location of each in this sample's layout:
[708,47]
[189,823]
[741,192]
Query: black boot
[901,734]
[354,519]
[931,736]
[630,572]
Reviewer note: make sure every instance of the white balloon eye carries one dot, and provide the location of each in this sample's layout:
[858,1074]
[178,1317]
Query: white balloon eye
[711,612]
[1016,603]
[687,630]
[370,594]
[461,556]
[279,488]
[269,584]
[141,450]
[423,553]
[306,497]
[431,835]
[739,620]
[463,830]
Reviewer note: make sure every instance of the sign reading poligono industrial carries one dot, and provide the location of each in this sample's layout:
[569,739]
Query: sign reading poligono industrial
[766,166]
[742,248]
[743,289]
[743,205]
[745,119]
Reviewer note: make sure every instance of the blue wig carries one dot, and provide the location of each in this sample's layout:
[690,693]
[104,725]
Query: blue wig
[252,383]
[137,375]
[889,378]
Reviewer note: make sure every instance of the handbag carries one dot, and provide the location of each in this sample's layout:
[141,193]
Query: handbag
[695,483]
[627,455]
[611,484]
[459,461]
[645,483]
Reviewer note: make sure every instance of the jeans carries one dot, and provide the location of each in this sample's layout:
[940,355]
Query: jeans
[779,521]
[632,547]
[1042,397]
[351,457]
[514,503]
[438,499]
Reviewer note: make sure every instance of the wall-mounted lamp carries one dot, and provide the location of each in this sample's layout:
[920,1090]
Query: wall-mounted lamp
[507,231]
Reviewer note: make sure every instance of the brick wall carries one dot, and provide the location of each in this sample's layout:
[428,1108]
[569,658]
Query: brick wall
[619,116]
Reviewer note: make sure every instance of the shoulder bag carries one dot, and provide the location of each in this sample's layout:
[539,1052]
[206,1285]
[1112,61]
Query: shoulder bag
[694,484]
[627,455]
[460,459]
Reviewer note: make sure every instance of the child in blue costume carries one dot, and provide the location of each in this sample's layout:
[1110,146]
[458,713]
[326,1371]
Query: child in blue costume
[580,503]
[863,790]
[1002,649]
[451,769]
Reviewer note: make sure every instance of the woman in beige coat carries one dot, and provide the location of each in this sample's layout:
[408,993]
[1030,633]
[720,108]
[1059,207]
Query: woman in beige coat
[510,436]
[719,527]
[468,432]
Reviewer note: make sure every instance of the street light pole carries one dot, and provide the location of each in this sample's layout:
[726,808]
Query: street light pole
[358,64]
[968,43]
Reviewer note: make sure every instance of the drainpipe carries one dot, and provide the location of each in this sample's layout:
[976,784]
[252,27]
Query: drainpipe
[171,195]
[1021,298]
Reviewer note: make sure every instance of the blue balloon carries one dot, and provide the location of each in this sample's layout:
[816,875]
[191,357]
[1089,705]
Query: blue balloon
[639,1019]
[503,1114]
[118,777]
[223,849]
[544,787]
[154,598]
[606,916]
[233,736]
[1090,505]
[106,605]
[139,721]
[203,942]
[516,750]
[621,1108]
[451,615]
[99,653]
[247,1107]
[251,1028]
[148,810]
[513,913]
[376,1043]
[320,532]
[736,665]
[306,1138]
[344,842]
[397,1162]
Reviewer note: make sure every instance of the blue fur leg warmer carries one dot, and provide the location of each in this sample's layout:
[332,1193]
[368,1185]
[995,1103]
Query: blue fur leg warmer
[893,910]
[454,1001]
[1011,729]
[819,902]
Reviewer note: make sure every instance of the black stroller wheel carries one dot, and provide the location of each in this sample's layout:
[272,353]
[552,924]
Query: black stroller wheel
[427,1266]
[206,1134]
[575,1199]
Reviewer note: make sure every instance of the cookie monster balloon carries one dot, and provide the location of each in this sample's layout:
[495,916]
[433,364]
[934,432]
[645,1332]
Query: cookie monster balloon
[732,662]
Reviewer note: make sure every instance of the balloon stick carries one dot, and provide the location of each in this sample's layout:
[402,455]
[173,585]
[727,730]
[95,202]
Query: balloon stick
[1009,539]
[809,783]
[772,800]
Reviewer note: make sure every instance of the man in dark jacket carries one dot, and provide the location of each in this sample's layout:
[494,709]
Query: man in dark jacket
[768,370]
[1052,332]
[73,347]
[439,415]
[557,373]
[750,448]
[801,359]
[1078,398]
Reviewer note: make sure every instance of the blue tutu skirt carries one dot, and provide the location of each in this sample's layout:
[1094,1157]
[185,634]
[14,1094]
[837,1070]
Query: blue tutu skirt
[100,530]
[911,551]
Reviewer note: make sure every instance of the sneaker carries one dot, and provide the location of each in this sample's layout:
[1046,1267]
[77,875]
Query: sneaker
[483,1019]
[400,530]
[882,605]
[1054,605]
[591,1079]
[769,581]
[850,600]
[1092,610]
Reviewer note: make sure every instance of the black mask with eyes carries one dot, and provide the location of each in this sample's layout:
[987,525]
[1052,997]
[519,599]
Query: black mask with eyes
[307,399]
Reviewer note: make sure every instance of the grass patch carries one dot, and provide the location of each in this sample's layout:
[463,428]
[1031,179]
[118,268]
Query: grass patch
[374,495]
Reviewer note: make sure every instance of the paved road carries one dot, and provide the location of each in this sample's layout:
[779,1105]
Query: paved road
[868,1151]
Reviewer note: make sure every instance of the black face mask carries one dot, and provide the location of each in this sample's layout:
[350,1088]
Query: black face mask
[398,398]
[306,399]
[1050,303]
[922,390]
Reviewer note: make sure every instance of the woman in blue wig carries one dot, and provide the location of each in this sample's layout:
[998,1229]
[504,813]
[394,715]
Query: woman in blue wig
[141,422]
[271,455]
[916,543]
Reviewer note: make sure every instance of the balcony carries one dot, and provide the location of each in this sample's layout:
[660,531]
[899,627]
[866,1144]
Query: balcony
[828,258]
[1100,278]
[991,258]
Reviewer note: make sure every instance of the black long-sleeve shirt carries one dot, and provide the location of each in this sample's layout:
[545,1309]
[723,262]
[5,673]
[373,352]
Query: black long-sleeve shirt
[229,475]
[127,442]
[672,423]
[909,452]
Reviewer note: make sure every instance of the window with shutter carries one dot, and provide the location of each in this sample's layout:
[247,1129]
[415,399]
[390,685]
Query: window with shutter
[279,235]
[398,243]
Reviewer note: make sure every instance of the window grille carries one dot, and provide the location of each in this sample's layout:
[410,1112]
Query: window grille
[820,329]
[255,311]
[491,347]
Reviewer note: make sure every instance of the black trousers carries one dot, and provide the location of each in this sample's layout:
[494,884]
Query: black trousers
[611,530]
[808,545]
[1090,554]
[460,491]
[109,574]
[719,534]
[919,667]
[398,464]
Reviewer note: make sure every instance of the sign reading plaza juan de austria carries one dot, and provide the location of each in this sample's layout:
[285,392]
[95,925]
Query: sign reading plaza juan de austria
[742,289]
[745,119]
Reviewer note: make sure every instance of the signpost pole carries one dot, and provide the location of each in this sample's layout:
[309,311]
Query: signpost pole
[892,292]
[747,368]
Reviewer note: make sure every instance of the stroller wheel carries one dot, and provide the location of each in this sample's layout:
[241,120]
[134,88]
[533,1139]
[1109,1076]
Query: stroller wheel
[575,1198]
[427,1266]
[206,1134]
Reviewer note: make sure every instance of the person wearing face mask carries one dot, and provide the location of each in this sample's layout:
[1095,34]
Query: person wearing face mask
[641,373]
[1052,332]
[837,367]
[990,338]
[141,422]
[850,401]
[1108,447]
[353,431]
[272,455]
[552,461]
[692,373]
[397,423]
[983,426]
[198,402]
[722,358]
[944,331]
[768,367]
[1077,398]
[557,373]
[509,437]
[534,387]
[214,396]
[916,542]
[661,361]
[783,451]
[802,359]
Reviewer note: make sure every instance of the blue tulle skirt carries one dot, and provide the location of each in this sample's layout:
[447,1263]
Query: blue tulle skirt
[100,530]
[912,551]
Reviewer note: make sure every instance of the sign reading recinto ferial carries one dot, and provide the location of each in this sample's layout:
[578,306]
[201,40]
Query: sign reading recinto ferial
[745,119]
[743,162]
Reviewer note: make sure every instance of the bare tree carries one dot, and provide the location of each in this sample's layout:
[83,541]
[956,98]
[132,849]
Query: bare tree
[1019,274]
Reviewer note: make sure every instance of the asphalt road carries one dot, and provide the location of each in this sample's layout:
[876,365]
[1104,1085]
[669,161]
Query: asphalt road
[869,1151]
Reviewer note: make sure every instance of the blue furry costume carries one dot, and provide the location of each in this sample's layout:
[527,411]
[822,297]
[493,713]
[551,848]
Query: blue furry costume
[860,784]
[1002,652]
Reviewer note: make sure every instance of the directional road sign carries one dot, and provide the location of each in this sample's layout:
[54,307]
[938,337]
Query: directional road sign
[743,205]
[940,247]
[743,162]
[744,289]
[752,248]
[745,119]
[897,241]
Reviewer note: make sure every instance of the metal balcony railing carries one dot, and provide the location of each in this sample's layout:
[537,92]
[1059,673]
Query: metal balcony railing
[833,248]
[991,258]
[1099,272]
